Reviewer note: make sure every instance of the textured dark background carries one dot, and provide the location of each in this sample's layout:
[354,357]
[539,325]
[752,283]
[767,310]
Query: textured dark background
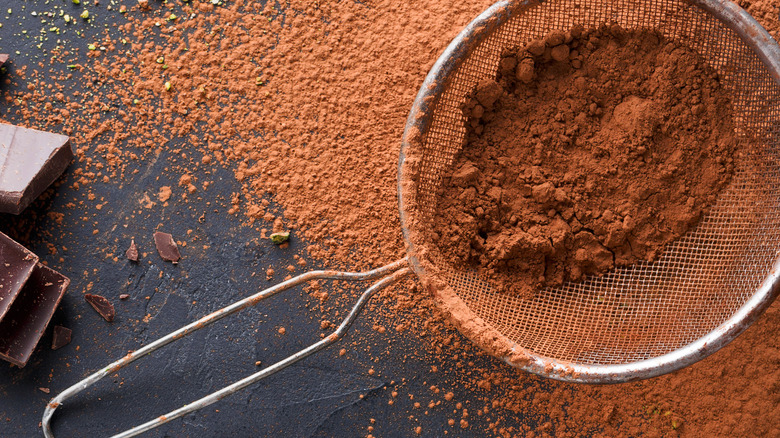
[319,397]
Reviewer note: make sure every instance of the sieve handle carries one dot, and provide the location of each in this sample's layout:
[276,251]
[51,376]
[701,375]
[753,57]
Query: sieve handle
[389,274]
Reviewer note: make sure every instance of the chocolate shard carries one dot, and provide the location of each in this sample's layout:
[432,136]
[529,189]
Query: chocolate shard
[3,58]
[61,337]
[16,266]
[101,306]
[24,324]
[132,252]
[166,247]
[30,161]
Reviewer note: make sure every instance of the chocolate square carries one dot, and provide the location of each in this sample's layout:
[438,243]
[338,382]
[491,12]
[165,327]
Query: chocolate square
[16,265]
[30,161]
[26,320]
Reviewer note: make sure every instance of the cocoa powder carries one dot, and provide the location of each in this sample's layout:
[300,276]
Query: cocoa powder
[575,165]
[320,134]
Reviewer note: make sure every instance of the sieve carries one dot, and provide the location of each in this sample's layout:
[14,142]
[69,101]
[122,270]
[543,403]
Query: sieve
[632,323]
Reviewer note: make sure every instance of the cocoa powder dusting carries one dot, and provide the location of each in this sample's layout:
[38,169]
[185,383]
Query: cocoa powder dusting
[305,103]
[575,165]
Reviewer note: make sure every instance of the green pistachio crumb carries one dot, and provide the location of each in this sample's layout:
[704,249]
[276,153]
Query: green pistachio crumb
[280,238]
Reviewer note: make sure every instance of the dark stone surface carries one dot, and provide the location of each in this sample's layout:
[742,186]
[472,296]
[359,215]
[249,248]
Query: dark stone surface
[223,260]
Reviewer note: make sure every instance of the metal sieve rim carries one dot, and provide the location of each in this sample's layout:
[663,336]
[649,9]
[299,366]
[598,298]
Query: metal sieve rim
[419,120]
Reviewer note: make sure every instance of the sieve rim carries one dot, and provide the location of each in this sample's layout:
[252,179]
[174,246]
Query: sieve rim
[419,120]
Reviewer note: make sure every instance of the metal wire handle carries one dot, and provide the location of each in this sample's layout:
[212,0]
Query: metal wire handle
[391,274]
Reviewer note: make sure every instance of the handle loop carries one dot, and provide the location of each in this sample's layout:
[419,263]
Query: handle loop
[390,274]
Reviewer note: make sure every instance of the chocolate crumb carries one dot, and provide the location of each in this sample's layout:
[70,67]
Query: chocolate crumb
[124,296]
[101,306]
[166,247]
[132,252]
[46,390]
[61,337]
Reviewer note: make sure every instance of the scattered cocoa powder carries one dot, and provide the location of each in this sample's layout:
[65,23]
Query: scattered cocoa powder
[165,194]
[575,165]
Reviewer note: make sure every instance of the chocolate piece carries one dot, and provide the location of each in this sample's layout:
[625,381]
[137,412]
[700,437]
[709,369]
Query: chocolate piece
[30,161]
[3,58]
[61,337]
[166,247]
[101,306]
[24,324]
[132,252]
[16,266]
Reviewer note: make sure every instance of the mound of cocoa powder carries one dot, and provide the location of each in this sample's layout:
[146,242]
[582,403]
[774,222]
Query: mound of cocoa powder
[592,149]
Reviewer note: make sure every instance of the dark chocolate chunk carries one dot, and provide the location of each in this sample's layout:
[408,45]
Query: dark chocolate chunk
[30,161]
[24,324]
[3,58]
[132,252]
[61,337]
[101,306]
[16,266]
[166,247]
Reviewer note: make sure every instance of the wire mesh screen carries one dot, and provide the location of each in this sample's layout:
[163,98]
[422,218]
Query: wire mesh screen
[650,308]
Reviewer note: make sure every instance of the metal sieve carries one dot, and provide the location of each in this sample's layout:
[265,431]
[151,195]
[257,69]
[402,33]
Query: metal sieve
[649,318]
[632,323]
